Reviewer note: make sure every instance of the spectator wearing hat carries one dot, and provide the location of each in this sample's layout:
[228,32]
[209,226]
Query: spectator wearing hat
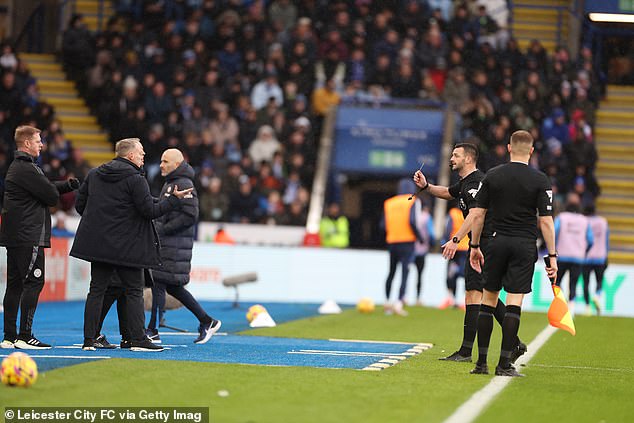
[555,126]
[264,145]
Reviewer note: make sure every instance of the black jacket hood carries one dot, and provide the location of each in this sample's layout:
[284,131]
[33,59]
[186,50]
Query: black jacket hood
[184,170]
[117,170]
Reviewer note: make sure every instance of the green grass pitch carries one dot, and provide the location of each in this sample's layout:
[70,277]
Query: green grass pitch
[587,378]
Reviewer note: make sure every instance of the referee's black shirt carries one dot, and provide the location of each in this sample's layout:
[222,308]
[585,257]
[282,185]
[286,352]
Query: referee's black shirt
[514,194]
[465,191]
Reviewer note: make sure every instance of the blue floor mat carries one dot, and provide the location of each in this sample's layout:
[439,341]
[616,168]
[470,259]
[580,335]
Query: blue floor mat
[61,325]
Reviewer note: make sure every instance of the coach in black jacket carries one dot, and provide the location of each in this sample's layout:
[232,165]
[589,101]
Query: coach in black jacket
[116,235]
[176,233]
[26,231]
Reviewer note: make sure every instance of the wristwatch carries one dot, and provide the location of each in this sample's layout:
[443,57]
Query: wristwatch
[553,255]
[455,240]
[474,245]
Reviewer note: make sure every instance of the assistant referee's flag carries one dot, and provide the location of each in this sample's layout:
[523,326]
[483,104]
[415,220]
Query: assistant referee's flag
[558,314]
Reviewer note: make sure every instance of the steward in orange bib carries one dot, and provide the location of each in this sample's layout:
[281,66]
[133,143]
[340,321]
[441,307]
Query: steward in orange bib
[400,234]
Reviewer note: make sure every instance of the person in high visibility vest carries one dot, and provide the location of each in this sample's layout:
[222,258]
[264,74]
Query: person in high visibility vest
[456,264]
[401,233]
[334,228]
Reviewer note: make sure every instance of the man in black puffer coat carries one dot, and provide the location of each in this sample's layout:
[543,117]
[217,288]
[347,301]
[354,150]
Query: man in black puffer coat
[116,235]
[176,233]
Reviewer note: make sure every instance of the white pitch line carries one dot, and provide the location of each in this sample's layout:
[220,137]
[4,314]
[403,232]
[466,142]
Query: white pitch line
[338,354]
[368,353]
[475,405]
[65,356]
[189,333]
[380,342]
[600,369]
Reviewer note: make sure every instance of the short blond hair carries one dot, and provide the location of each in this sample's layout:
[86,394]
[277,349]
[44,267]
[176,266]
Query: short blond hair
[23,133]
[521,142]
[123,147]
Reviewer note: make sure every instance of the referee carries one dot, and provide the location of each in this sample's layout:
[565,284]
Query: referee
[463,160]
[519,199]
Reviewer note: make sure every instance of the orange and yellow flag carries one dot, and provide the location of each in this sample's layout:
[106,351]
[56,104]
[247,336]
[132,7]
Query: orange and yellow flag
[558,314]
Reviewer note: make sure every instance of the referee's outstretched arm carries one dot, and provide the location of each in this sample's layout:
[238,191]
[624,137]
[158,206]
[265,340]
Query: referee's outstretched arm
[435,190]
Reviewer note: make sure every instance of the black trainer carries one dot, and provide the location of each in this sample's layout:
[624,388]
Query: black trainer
[457,357]
[480,369]
[518,351]
[153,335]
[125,344]
[89,345]
[30,342]
[508,371]
[145,345]
[205,331]
[102,343]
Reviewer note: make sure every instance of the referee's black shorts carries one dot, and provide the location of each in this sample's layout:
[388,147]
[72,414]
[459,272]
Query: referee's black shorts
[474,281]
[509,263]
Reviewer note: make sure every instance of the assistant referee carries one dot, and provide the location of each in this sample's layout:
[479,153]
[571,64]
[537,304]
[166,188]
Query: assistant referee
[519,199]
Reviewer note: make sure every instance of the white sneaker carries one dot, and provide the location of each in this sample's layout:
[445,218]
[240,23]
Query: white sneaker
[7,345]
[398,309]
[388,308]
[31,343]
[597,304]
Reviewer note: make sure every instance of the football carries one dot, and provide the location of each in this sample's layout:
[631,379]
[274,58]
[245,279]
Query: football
[18,369]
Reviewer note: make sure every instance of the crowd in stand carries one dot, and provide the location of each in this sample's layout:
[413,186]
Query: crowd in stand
[242,87]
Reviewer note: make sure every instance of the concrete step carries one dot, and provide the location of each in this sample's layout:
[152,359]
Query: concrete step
[83,119]
[619,89]
[615,154]
[55,84]
[59,93]
[529,26]
[97,158]
[80,126]
[45,66]
[615,113]
[49,76]
[621,223]
[615,167]
[78,137]
[58,101]
[72,111]
[37,57]
[621,257]
[616,187]
[621,239]
[612,132]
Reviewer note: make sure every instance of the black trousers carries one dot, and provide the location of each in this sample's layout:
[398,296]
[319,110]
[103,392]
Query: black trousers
[115,293]
[101,278]
[574,270]
[25,280]
[181,294]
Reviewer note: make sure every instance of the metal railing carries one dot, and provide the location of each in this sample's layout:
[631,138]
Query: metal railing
[33,30]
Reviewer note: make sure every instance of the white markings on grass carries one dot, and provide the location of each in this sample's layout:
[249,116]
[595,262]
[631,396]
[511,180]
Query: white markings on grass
[475,405]
[189,333]
[387,359]
[600,369]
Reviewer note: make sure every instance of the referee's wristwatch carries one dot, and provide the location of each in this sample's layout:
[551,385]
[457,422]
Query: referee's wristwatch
[455,240]
[554,255]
